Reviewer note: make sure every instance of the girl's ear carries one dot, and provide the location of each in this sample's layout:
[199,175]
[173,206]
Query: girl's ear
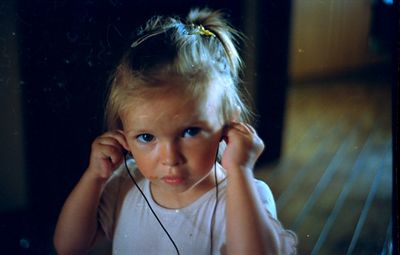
[124,142]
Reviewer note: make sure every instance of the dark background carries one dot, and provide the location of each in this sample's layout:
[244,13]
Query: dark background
[66,51]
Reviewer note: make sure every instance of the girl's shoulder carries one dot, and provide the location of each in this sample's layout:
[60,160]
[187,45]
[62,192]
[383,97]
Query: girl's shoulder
[266,196]
[262,188]
[113,195]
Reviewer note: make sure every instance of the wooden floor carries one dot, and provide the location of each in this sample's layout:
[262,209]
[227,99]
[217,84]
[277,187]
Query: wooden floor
[333,185]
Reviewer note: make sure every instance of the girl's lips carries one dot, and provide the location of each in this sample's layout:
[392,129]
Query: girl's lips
[174,180]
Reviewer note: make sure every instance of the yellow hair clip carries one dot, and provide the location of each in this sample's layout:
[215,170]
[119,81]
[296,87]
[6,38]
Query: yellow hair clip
[200,30]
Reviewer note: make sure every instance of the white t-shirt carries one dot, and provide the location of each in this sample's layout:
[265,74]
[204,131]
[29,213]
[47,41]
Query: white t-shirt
[128,221]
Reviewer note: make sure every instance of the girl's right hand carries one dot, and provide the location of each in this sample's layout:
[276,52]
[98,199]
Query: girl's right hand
[107,154]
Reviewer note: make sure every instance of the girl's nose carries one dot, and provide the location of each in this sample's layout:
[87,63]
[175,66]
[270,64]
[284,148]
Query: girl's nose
[170,154]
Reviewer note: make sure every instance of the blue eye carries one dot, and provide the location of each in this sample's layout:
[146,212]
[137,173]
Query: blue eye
[190,132]
[145,138]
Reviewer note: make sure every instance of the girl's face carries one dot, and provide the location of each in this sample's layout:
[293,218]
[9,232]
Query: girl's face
[174,138]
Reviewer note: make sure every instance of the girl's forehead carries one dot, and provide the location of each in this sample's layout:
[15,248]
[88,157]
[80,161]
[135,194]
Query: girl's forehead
[172,104]
[173,98]
[162,120]
[168,100]
[175,87]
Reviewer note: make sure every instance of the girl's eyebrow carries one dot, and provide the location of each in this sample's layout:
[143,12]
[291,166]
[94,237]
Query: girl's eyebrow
[196,122]
[135,132]
[201,124]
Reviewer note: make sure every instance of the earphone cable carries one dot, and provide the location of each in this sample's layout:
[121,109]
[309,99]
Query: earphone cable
[150,207]
[215,205]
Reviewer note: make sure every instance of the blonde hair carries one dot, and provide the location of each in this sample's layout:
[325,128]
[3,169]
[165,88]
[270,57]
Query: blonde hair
[198,50]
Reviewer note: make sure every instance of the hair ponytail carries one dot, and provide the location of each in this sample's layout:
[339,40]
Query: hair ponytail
[226,34]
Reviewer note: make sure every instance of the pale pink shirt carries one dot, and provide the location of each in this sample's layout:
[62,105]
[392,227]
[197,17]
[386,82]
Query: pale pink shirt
[127,220]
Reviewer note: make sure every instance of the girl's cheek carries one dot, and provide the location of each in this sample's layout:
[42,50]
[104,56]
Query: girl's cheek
[143,147]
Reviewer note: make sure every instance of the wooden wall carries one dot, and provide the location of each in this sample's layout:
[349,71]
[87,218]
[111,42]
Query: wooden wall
[330,37]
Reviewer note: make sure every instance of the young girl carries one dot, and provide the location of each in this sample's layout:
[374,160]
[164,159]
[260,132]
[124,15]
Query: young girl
[174,173]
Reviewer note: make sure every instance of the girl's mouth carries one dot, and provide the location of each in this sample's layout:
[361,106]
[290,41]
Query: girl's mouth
[173,180]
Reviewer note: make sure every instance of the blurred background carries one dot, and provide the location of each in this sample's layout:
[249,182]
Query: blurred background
[322,75]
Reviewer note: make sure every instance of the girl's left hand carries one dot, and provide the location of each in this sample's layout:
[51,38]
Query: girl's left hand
[243,148]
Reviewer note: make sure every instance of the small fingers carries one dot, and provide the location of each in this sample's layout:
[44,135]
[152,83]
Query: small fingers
[113,154]
[250,128]
[242,127]
[115,138]
[110,145]
[248,131]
